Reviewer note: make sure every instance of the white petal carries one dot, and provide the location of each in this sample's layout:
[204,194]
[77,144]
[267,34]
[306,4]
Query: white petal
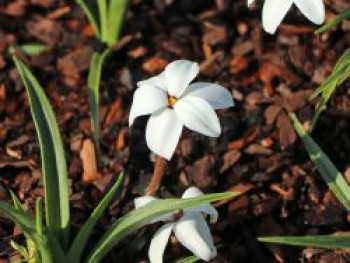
[145,200]
[217,96]
[207,209]
[314,10]
[159,242]
[192,192]
[179,75]
[274,12]
[197,115]
[147,99]
[163,132]
[193,232]
[156,81]
[249,2]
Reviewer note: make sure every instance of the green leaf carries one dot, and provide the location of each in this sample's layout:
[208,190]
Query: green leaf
[27,224]
[335,21]
[117,10]
[21,249]
[321,241]
[52,157]
[190,259]
[106,17]
[328,171]
[143,216]
[33,49]
[91,10]
[38,216]
[31,249]
[16,202]
[94,80]
[103,15]
[343,61]
[18,216]
[340,73]
[77,247]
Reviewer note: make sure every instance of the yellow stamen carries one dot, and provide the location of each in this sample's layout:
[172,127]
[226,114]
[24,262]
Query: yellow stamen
[172,101]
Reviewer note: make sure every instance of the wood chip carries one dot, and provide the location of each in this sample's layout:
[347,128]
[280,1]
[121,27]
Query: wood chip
[88,159]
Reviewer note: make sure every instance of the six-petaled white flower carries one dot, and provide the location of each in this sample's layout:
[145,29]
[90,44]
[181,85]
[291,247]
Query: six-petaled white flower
[173,103]
[274,11]
[191,229]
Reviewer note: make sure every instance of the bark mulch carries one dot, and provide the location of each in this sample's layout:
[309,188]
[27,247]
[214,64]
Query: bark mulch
[258,152]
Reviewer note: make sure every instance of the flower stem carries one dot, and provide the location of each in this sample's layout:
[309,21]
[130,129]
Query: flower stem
[159,171]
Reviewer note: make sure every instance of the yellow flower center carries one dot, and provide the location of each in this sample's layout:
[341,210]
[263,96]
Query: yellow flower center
[171,101]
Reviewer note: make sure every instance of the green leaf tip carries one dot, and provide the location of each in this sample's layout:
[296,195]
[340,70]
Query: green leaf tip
[320,241]
[335,21]
[325,166]
[53,161]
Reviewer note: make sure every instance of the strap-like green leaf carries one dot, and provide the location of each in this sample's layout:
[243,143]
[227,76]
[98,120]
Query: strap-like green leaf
[90,8]
[18,216]
[94,80]
[340,73]
[52,157]
[328,171]
[38,216]
[16,202]
[116,15]
[339,18]
[33,49]
[21,249]
[322,241]
[190,259]
[27,224]
[103,15]
[78,245]
[144,215]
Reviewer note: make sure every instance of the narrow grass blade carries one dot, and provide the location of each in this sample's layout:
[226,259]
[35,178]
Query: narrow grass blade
[21,249]
[16,202]
[340,73]
[94,80]
[328,171]
[117,10]
[32,245]
[52,157]
[20,217]
[33,49]
[38,216]
[27,224]
[144,215]
[78,245]
[335,21]
[190,259]
[91,10]
[321,241]
[103,16]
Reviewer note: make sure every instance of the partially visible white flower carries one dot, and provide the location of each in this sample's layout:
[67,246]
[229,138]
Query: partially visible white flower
[274,11]
[191,229]
[173,103]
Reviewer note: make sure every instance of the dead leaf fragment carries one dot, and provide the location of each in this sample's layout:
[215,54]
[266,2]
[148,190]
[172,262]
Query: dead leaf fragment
[271,113]
[88,159]
[45,30]
[287,135]
[230,158]
[154,65]
[201,172]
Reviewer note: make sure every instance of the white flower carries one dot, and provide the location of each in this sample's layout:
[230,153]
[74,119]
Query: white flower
[274,11]
[191,229]
[173,103]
